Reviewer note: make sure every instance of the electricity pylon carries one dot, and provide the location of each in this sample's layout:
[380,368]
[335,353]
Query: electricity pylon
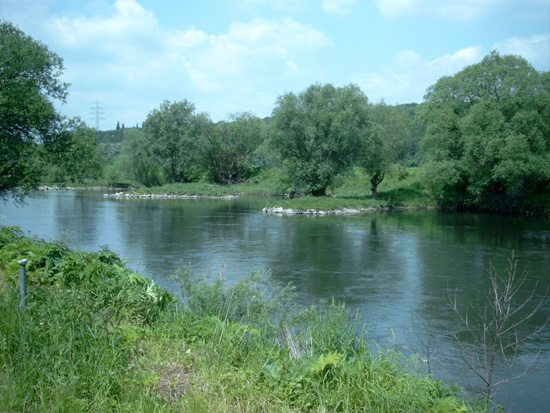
[97,112]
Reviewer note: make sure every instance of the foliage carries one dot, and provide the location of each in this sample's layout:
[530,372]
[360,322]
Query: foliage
[114,136]
[29,124]
[81,158]
[385,142]
[69,349]
[312,359]
[138,160]
[169,130]
[317,133]
[100,278]
[488,134]
[227,148]
[401,188]
[248,300]
[198,189]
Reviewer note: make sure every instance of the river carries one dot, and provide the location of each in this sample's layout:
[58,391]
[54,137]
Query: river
[393,267]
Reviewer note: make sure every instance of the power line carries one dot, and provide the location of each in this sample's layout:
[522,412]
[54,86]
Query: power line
[97,112]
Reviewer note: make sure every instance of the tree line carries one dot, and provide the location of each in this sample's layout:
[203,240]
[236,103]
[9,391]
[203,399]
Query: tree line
[481,137]
[315,135]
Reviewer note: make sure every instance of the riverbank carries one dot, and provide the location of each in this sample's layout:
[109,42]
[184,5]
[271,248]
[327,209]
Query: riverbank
[342,211]
[347,197]
[96,336]
[137,195]
[402,189]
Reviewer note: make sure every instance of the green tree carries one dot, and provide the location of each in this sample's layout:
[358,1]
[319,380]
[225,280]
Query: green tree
[385,142]
[138,160]
[488,134]
[30,128]
[169,130]
[318,133]
[227,148]
[82,157]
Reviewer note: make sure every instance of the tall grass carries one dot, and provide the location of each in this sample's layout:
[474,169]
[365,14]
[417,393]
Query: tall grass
[97,337]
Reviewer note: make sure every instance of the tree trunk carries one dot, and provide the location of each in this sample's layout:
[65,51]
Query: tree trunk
[374,182]
[320,192]
[374,187]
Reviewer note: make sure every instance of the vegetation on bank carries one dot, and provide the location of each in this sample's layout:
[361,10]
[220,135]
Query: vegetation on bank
[481,137]
[401,188]
[96,336]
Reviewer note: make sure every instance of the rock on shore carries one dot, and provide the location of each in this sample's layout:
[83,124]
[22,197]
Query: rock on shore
[344,211]
[130,195]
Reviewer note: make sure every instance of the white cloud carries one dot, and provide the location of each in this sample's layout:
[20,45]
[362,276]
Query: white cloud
[338,7]
[395,7]
[128,48]
[128,21]
[132,33]
[535,49]
[189,38]
[465,10]
[281,5]
[260,49]
[278,33]
[407,80]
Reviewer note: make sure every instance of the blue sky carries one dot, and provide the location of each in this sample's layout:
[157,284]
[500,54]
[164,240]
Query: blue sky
[231,56]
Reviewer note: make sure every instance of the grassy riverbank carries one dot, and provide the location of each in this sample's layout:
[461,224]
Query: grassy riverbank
[98,337]
[401,188]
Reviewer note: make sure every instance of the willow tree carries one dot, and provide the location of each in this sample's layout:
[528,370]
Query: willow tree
[488,134]
[385,142]
[226,149]
[170,133]
[318,133]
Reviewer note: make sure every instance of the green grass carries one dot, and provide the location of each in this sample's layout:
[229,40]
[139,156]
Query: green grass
[97,337]
[264,182]
[189,189]
[400,188]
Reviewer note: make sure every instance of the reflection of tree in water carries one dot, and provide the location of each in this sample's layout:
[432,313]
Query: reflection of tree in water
[345,258]
[76,216]
[205,233]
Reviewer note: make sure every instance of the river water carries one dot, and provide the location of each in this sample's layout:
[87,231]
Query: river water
[393,267]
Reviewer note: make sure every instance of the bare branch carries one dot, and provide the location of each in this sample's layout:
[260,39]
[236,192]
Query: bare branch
[496,334]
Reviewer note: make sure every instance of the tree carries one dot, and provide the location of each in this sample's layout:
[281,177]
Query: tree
[488,134]
[81,159]
[169,130]
[226,149]
[496,329]
[318,133]
[29,125]
[137,159]
[385,142]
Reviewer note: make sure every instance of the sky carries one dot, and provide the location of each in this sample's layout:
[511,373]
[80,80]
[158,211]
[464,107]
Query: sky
[126,57]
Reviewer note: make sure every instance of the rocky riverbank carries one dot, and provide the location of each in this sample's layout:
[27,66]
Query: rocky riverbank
[79,188]
[133,195]
[343,211]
